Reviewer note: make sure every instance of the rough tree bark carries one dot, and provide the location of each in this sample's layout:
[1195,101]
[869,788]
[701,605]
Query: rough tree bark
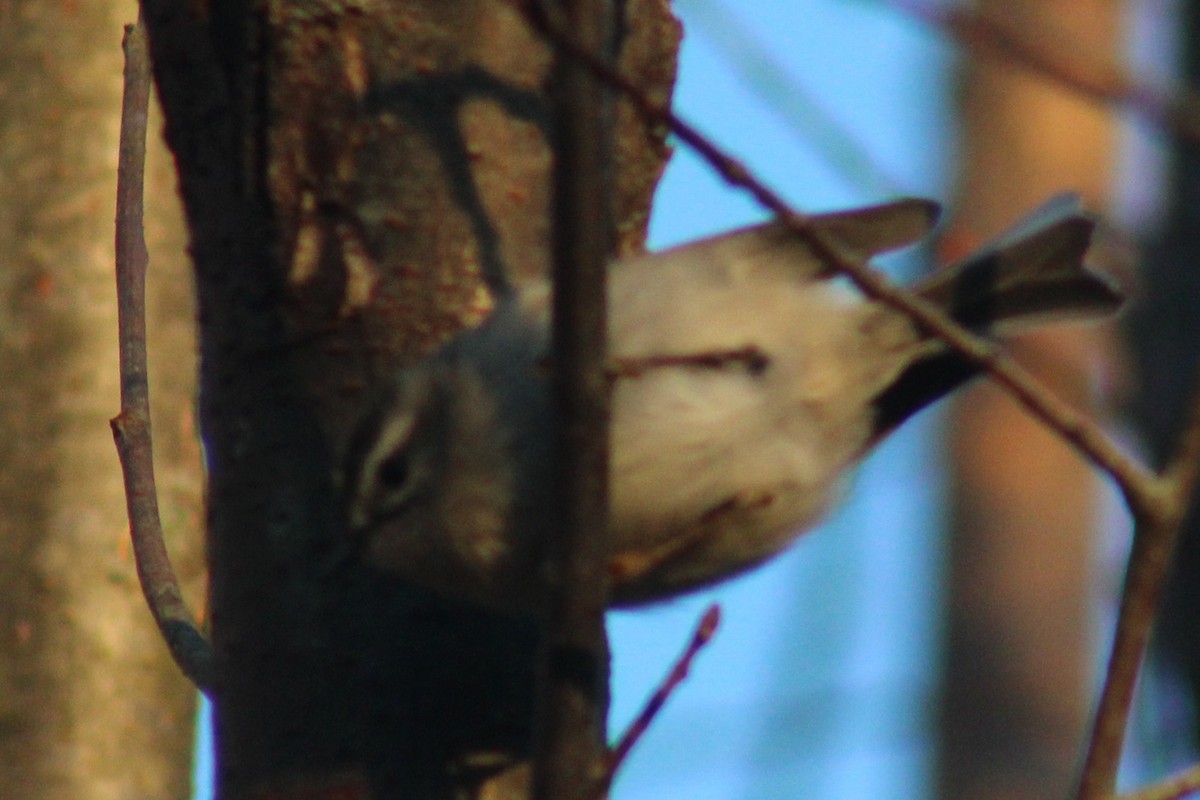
[1017,660]
[357,176]
[91,706]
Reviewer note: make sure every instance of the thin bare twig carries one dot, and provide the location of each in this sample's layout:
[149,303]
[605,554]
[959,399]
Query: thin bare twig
[1027,40]
[573,675]
[131,428]
[1149,559]
[1154,537]
[705,630]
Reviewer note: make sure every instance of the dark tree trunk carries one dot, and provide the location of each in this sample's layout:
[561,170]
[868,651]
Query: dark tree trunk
[356,176]
[91,705]
[1165,336]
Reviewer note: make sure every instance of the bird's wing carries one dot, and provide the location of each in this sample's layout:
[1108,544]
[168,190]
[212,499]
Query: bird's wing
[860,234]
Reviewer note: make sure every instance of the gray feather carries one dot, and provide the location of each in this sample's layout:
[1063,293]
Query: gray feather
[859,233]
[1033,271]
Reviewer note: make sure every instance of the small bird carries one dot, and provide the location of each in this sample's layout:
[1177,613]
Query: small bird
[747,382]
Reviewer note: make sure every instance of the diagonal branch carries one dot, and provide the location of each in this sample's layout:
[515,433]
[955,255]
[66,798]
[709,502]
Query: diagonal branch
[1154,538]
[131,428]
[783,94]
[705,630]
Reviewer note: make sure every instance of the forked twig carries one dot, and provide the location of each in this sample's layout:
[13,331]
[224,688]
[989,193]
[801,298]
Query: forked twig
[705,630]
[1154,538]
[783,94]
[131,428]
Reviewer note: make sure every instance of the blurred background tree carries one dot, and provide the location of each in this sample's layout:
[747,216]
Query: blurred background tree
[91,705]
[1165,338]
[1019,644]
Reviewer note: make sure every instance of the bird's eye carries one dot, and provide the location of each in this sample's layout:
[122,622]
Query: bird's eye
[393,470]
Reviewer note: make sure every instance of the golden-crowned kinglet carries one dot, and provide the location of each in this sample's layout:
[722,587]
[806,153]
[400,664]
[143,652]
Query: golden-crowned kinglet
[746,382]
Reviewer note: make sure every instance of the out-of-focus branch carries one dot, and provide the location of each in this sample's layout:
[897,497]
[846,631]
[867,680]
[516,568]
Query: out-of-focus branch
[783,94]
[1181,784]
[1027,41]
[573,677]
[1154,538]
[131,428]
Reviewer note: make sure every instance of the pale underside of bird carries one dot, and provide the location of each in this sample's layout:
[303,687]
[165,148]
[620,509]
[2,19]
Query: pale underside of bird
[747,381]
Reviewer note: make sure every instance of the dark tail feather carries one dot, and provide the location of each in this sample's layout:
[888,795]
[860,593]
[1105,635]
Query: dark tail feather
[1033,273]
[925,382]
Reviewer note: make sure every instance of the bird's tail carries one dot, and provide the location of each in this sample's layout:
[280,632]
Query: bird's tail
[1034,273]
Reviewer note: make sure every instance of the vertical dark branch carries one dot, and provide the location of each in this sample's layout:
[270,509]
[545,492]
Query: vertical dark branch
[131,428]
[1155,537]
[574,676]
[1149,560]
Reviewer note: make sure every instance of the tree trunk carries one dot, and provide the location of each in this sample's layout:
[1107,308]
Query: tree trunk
[1023,504]
[92,705]
[357,176]
[1165,338]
